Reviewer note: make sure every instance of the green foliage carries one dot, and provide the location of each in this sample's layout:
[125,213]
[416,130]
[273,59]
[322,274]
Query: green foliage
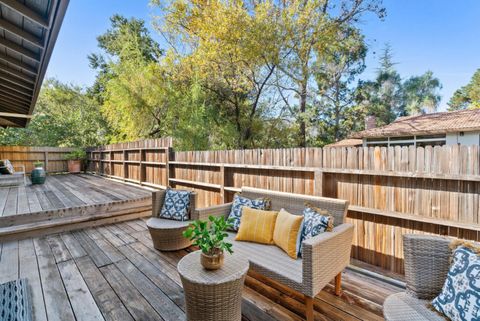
[65,115]
[126,41]
[312,32]
[38,164]
[77,154]
[468,96]
[337,113]
[383,97]
[388,97]
[231,53]
[241,74]
[210,235]
[421,94]
[142,94]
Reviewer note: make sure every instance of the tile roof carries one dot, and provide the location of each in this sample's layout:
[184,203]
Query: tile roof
[435,123]
[349,142]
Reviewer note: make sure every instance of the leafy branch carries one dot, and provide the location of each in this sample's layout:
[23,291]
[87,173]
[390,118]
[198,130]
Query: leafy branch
[210,235]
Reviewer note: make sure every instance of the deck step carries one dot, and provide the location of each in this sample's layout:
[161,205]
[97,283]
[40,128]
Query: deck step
[105,214]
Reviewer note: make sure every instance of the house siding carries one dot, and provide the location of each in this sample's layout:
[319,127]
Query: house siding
[468,138]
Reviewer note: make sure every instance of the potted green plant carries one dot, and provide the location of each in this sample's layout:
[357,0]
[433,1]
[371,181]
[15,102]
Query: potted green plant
[38,174]
[210,236]
[75,160]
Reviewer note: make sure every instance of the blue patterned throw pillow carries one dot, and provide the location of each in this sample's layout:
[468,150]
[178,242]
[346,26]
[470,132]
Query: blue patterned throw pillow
[239,202]
[460,296]
[176,205]
[315,221]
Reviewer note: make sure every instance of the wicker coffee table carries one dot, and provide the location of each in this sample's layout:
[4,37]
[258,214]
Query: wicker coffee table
[213,295]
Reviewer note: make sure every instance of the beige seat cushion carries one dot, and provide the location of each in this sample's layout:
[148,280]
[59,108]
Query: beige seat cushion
[161,223]
[270,261]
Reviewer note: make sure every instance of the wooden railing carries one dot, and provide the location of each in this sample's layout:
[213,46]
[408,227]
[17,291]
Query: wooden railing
[53,158]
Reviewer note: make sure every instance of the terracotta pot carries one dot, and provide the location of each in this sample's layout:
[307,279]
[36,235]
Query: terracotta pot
[212,262]
[74,166]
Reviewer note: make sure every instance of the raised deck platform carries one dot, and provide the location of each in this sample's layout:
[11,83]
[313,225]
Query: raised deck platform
[67,202]
[112,272]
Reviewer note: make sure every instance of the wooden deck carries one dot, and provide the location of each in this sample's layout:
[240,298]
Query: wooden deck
[112,272]
[67,202]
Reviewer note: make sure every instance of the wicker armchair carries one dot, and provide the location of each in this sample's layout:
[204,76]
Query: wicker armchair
[167,234]
[324,257]
[427,260]
[15,178]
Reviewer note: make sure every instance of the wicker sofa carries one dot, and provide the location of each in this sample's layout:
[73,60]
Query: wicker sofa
[427,260]
[167,234]
[324,256]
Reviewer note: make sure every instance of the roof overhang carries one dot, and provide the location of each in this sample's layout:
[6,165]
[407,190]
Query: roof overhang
[28,32]
[385,134]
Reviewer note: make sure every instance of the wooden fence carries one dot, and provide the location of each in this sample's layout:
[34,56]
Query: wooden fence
[53,158]
[391,191]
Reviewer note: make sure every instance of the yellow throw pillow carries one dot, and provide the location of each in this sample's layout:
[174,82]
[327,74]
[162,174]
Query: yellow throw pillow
[256,226]
[287,229]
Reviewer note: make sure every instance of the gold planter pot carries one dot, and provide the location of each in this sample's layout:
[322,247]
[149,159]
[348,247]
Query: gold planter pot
[212,262]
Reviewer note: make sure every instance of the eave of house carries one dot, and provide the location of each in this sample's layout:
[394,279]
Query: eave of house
[28,32]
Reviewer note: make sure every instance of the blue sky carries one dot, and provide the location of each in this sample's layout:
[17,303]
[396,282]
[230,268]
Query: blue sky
[438,35]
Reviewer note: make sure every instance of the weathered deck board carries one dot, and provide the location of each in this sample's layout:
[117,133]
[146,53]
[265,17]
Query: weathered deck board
[66,202]
[64,191]
[94,274]
[29,269]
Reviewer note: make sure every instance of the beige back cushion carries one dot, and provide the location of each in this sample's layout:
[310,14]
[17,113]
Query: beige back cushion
[295,203]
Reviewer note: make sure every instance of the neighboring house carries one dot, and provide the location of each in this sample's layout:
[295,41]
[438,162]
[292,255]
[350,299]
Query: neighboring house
[349,142]
[445,128]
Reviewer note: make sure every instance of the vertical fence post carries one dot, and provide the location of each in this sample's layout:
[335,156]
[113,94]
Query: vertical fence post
[46,160]
[169,156]
[222,183]
[125,169]
[142,167]
[111,168]
[318,183]
[90,162]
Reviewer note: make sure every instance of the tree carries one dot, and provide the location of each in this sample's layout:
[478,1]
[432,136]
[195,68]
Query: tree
[383,97]
[126,78]
[126,40]
[387,97]
[65,115]
[468,96]
[231,49]
[310,30]
[337,112]
[421,94]
[143,91]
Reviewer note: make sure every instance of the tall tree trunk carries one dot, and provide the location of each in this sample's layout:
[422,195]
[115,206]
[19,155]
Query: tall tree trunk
[337,112]
[303,109]
[337,124]
[238,126]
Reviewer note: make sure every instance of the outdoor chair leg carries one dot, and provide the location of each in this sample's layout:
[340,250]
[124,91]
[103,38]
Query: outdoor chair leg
[308,308]
[338,284]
